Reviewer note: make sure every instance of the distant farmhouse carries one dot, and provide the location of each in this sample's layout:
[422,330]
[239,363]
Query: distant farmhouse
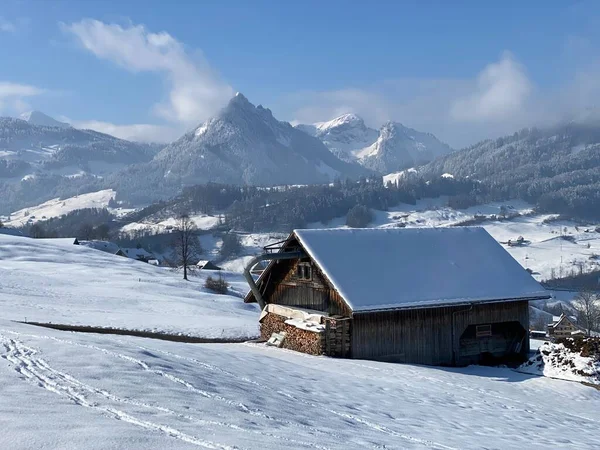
[207,265]
[10,231]
[138,253]
[445,296]
[110,247]
[564,326]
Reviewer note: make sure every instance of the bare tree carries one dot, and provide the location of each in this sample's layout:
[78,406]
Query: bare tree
[540,323]
[187,247]
[587,305]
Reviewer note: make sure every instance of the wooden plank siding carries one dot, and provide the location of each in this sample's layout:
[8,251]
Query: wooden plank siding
[312,294]
[425,336]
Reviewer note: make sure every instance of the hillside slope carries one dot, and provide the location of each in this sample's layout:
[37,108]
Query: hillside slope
[51,280]
[558,168]
[39,162]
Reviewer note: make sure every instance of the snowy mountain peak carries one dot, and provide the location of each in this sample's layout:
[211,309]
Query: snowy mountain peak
[344,136]
[399,147]
[238,99]
[246,144]
[345,120]
[40,119]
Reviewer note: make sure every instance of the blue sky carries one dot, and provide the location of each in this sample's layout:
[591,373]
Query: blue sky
[153,69]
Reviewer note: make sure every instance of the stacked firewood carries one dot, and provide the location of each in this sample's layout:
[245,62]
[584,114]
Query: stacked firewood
[296,338]
[337,337]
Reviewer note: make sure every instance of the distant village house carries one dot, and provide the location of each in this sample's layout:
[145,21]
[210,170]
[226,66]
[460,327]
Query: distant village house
[564,326]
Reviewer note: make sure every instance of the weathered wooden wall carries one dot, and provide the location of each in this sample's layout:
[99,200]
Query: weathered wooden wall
[315,294]
[428,336]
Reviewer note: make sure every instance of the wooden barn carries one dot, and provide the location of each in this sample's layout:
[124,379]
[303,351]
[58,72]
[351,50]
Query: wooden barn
[438,296]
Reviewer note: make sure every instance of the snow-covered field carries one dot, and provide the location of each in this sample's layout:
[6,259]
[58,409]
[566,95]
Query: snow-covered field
[202,221]
[107,392]
[51,280]
[73,390]
[57,207]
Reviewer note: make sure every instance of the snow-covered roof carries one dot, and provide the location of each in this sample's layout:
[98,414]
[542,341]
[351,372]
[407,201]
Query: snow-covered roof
[10,231]
[137,252]
[562,318]
[418,267]
[207,264]
[105,246]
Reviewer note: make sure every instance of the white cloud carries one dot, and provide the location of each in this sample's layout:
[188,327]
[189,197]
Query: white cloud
[135,132]
[6,26]
[13,95]
[501,90]
[498,100]
[195,90]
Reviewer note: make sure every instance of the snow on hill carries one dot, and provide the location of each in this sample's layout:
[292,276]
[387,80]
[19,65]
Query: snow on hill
[76,390]
[39,162]
[51,280]
[394,147]
[73,390]
[43,120]
[202,221]
[394,177]
[57,207]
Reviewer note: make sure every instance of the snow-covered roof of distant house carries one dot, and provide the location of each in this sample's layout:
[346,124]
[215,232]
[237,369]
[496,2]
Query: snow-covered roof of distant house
[207,264]
[137,253]
[418,267]
[105,246]
[562,318]
[10,231]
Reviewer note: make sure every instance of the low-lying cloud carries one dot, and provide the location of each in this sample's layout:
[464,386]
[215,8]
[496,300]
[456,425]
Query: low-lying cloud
[13,96]
[194,91]
[498,100]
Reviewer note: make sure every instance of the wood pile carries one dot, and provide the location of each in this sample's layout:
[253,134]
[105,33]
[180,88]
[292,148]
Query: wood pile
[297,339]
[337,336]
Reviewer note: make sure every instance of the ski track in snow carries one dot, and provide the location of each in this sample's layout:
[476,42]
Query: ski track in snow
[238,405]
[144,366]
[37,370]
[371,425]
[29,365]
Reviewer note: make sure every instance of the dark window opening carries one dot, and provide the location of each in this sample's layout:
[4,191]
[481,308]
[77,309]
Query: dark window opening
[483,331]
[303,271]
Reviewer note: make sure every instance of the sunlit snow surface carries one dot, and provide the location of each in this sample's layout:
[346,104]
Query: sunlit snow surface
[72,391]
[63,390]
[51,280]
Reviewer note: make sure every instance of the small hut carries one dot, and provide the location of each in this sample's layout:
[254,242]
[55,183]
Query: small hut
[207,265]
